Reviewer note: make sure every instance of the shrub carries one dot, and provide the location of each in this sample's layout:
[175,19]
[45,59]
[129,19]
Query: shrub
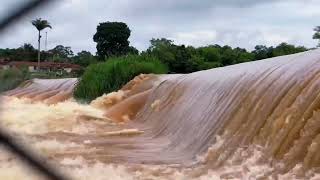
[11,78]
[113,74]
[52,75]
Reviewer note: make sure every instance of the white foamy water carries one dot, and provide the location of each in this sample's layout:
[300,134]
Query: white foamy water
[41,119]
[257,120]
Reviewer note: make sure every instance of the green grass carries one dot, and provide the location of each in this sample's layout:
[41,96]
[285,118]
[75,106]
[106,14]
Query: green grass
[51,75]
[11,78]
[113,74]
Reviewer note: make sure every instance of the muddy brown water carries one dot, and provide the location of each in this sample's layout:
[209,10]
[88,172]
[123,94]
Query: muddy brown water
[259,119]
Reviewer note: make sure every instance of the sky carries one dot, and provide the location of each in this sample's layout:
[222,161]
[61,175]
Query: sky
[238,23]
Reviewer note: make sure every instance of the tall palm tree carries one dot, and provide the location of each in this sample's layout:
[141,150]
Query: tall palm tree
[40,25]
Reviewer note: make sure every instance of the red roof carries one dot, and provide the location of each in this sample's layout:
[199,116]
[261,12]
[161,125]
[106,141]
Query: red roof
[43,64]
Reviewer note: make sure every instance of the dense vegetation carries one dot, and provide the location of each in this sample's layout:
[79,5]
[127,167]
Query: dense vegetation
[186,59]
[116,62]
[113,74]
[112,40]
[116,71]
[179,58]
[11,78]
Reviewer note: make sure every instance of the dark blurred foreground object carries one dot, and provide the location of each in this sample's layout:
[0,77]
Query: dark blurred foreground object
[5,138]
[21,11]
[28,157]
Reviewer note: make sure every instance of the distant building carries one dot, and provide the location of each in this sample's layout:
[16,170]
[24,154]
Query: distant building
[4,64]
[44,66]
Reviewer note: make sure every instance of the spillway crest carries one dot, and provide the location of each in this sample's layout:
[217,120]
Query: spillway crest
[201,122]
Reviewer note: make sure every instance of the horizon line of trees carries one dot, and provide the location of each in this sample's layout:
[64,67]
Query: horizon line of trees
[179,58]
[112,41]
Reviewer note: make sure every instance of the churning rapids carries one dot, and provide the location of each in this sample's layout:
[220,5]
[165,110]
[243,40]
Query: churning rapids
[257,120]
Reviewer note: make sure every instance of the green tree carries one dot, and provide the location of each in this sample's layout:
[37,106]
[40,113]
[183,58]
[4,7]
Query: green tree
[243,55]
[195,63]
[210,53]
[27,47]
[160,43]
[132,50]
[112,39]
[262,52]
[316,35]
[84,58]
[61,53]
[183,59]
[228,56]
[286,49]
[164,50]
[40,25]
[26,52]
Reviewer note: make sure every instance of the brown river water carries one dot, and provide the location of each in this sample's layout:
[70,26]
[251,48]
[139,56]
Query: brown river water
[257,120]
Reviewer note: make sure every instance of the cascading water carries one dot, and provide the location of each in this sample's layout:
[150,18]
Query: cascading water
[255,120]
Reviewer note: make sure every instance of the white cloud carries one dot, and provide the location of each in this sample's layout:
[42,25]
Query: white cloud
[195,38]
[243,23]
[271,38]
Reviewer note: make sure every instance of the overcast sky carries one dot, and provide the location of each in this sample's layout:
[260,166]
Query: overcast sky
[243,23]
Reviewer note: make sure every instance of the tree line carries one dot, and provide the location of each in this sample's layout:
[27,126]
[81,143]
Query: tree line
[179,58]
[112,41]
[187,59]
